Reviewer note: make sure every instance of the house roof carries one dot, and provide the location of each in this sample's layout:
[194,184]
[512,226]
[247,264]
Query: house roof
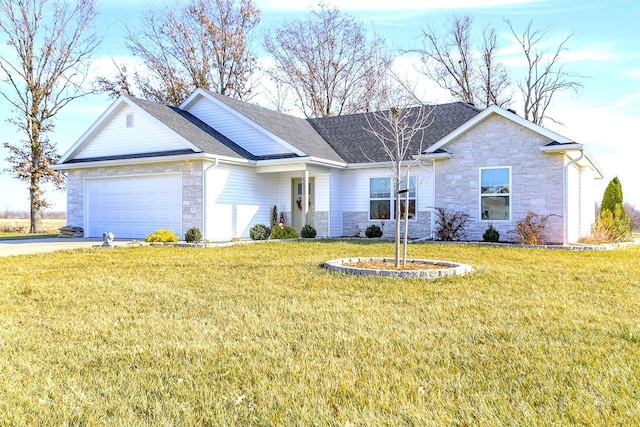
[293,130]
[193,130]
[485,114]
[349,136]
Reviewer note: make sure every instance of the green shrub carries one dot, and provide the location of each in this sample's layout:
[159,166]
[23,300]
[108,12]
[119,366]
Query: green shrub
[284,232]
[162,236]
[491,235]
[259,232]
[373,231]
[193,235]
[612,226]
[308,232]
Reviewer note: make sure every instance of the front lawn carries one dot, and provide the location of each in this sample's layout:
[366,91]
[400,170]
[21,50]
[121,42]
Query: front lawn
[261,335]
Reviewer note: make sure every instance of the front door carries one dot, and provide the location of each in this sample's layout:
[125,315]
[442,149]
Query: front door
[298,213]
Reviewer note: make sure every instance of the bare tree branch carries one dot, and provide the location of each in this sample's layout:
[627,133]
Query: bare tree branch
[207,44]
[545,75]
[51,44]
[328,63]
[399,131]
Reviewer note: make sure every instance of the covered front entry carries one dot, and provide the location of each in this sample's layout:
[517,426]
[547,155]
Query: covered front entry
[133,206]
[302,213]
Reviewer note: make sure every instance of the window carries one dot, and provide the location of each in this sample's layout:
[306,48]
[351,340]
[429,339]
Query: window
[495,194]
[380,198]
[129,120]
[381,195]
[412,198]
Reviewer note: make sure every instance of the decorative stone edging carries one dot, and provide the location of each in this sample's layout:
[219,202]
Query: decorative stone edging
[448,268]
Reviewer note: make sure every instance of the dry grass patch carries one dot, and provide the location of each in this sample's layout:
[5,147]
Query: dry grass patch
[12,227]
[261,335]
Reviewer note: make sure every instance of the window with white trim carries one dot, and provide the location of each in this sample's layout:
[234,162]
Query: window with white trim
[381,196]
[129,120]
[495,194]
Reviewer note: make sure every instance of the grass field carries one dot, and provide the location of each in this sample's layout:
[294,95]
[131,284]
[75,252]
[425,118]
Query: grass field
[18,227]
[262,335]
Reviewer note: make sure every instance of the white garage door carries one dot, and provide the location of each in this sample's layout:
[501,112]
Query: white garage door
[134,206]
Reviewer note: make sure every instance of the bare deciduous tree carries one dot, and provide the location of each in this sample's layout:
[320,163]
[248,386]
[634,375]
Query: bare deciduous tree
[400,131]
[545,75]
[206,44]
[50,44]
[328,63]
[470,73]
[121,85]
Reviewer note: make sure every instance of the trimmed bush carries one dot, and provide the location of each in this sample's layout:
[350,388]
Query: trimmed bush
[491,235]
[284,232]
[163,236]
[259,232]
[308,232]
[193,235]
[373,231]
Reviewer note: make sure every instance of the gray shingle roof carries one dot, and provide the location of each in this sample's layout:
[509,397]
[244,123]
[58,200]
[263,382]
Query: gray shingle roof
[339,138]
[349,137]
[293,130]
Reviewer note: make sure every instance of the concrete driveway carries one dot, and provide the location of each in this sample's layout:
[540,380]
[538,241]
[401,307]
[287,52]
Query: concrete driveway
[35,246]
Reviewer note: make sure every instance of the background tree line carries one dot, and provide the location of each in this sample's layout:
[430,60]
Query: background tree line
[322,64]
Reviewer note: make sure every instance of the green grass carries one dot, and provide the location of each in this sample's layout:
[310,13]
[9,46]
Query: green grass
[261,335]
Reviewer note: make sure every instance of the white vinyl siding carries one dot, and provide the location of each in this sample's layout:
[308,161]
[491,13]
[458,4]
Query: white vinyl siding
[236,129]
[237,199]
[117,139]
[335,218]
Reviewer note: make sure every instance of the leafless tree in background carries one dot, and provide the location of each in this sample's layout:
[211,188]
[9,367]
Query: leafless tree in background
[470,73]
[205,44]
[121,85]
[49,46]
[545,75]
[328,63]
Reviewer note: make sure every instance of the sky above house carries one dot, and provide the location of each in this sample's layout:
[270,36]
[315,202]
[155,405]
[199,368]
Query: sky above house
[604,50]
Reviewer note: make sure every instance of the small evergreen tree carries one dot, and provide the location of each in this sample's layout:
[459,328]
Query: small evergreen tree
[612,215]
[612,196]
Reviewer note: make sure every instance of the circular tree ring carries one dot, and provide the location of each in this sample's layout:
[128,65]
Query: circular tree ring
[420,268]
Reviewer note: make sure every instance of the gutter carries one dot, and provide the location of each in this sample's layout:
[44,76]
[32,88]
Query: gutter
[148,160]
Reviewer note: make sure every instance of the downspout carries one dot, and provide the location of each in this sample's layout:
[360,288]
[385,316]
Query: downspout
[565,198]
[204,195]
[433,199]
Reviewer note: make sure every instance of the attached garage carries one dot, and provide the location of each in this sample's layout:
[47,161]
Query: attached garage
[133,206]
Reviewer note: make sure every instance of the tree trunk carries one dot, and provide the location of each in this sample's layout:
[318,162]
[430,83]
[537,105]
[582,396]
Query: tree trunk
[36,210]
[406,224]
[397,218]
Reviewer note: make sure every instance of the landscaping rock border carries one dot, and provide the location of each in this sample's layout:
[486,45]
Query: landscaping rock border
[448,268]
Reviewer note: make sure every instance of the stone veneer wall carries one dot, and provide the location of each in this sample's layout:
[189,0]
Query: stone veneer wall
[191,188]
[536,177]
[355,224]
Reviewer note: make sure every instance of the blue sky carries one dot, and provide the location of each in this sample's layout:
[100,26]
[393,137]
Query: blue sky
[605,49]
